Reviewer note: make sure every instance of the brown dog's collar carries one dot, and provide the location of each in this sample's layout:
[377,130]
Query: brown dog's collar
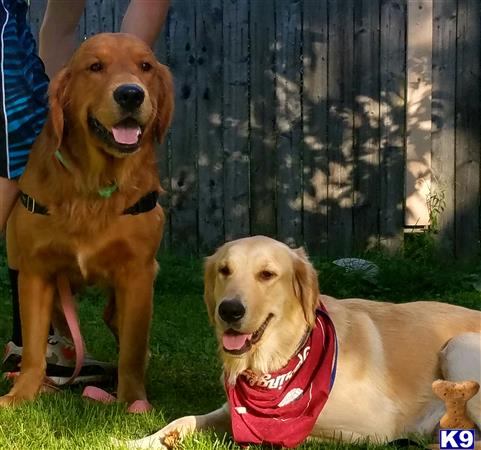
[145,204]
[32,205]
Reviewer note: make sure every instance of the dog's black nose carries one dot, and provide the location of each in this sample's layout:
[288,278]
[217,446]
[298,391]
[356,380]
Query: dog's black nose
[231,310]
[129,96]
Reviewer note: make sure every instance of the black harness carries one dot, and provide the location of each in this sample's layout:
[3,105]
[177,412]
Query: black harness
[145,204]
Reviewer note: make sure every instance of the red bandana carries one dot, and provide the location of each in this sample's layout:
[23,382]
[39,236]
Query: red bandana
[281,408]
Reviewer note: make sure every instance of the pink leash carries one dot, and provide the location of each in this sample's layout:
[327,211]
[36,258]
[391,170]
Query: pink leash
[68,306]
[91,392]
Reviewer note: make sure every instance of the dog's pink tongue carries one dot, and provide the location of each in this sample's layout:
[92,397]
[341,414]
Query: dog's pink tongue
[234,341]
[125,134]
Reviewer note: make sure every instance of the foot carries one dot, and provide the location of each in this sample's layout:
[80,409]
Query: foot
[8,401]
[60,356]
[12,356]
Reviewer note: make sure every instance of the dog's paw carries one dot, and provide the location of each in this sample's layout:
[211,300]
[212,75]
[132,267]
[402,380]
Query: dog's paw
[167,438]
[10,400]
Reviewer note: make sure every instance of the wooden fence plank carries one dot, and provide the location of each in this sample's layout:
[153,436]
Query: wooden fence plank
[35,17]
[99,17]
[392,131]
[236,118]
[314,111]
[163,151]
[209,124]
[107,15]
[366,124]
[288,121]
[468,126]
[81,28]
[120,7]
[418,112]
[263,153]
[340,127]
[443,118]
[182,60]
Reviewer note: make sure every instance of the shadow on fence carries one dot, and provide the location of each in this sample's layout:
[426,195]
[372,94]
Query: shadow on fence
[291,121]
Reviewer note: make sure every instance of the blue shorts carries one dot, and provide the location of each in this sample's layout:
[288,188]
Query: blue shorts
[23,89]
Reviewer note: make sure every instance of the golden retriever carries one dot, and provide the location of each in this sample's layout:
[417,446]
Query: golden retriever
[88,209]
[388,354]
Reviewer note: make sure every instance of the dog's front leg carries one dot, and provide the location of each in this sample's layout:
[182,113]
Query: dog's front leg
[36,299]
[218,421]
[133,296]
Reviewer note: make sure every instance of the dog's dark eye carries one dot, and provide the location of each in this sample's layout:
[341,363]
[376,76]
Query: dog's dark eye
[224,270]
[145,66]
[96,67]
[266,275]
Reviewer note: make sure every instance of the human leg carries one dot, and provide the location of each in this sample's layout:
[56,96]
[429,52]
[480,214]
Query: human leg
[24,111]
[58,40]
[145,18]
[8,196]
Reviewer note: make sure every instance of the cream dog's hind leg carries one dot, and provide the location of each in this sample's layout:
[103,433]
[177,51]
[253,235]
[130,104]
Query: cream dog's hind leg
[218,420]
[461,361]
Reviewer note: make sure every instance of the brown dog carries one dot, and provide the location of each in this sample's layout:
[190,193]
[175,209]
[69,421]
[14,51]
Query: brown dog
[261,297]
[88,209]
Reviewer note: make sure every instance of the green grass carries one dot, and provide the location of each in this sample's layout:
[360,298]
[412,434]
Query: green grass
[184,372]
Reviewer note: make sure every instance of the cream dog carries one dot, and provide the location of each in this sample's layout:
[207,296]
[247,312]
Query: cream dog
[262,299]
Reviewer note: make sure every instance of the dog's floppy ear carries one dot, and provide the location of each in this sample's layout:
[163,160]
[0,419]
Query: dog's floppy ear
[209,285]
[165,101]
[306,285]
[57,100]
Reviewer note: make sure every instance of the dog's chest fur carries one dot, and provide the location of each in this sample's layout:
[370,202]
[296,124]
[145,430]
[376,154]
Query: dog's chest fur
[102,255]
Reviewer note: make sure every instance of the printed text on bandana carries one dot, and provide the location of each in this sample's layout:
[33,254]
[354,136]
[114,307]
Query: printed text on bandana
[266,380]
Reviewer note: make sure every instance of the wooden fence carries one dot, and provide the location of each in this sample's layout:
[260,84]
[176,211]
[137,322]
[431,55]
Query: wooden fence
[291,120]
